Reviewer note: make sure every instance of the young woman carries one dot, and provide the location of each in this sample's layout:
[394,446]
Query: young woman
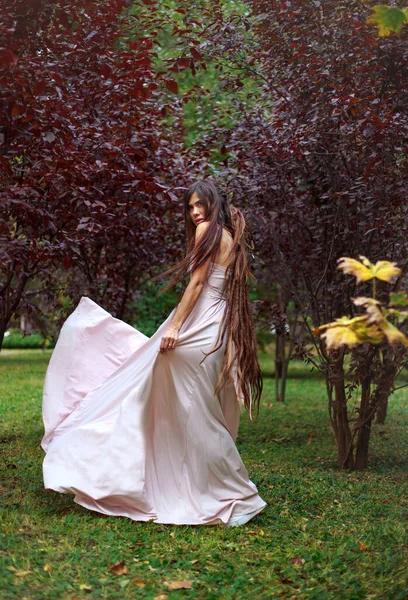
[146,428]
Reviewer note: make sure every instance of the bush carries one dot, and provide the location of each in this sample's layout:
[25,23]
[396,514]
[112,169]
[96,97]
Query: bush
[33,340]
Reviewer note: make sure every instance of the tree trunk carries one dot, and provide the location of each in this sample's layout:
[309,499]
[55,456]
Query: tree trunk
[2,332]
[382,409]
[366,414]
[338,409]
[392,363]
[279,365]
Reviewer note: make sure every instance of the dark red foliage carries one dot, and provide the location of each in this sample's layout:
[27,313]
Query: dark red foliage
[85,166]
[321,166]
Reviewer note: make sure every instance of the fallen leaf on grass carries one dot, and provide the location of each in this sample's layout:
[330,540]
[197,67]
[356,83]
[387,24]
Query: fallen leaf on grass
[21,573]
[139,583]
[186,584]
[124,583]
[298,561]
[193,562]
[161,597]
[284,579]
[119,568]
[47,568]
[85,588]
[363,547]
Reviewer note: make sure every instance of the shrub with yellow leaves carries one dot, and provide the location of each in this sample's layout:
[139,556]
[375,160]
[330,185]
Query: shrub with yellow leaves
[374,326]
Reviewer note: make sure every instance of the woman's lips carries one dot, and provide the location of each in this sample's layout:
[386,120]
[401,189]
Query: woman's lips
[199,221]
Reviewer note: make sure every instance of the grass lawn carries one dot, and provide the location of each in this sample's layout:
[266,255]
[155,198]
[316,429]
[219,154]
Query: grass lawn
[324,534]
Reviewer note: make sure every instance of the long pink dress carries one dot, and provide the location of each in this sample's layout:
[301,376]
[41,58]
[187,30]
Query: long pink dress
[136,433]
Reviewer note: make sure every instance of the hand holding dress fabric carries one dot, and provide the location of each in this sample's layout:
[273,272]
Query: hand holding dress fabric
[169,340]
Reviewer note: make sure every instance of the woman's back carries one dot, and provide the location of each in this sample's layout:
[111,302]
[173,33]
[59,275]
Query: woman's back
[223,255]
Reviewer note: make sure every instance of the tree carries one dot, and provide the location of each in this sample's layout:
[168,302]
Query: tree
[322,165]
[86,167]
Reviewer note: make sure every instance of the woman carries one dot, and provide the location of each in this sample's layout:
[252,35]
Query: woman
[146,428]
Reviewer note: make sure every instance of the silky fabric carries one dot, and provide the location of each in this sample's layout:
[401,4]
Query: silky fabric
[134,432]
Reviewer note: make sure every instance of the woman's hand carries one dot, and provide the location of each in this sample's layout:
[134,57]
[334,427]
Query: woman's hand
[169,340]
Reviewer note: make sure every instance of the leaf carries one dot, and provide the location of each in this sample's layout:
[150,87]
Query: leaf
[392,333]
[161,597]
[47,568]
[17,110]
[8,58]
[298,561]
[399,299]
[338,336]
[124,583]
[172,86]
[85,588]
[354,267]
[388,19]
[139,583]
[195,53]
[365,270]
[386,270]
[363,547]
[119,568]
[22,573]
[39,88]
[372,307]
[186,584]
[351,335]
[364,301]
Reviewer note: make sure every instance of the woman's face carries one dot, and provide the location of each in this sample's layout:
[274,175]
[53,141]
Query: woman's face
[196,209]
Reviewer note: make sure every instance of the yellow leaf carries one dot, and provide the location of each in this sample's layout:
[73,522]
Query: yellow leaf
[364,301]
[47,568]
[119,568]
[161,597]
[354,267]
[85,588]
[337,336]
[363,547]
[186,584]
[386,270]
[393,335]
[139,583]
[365,270]
[22,573]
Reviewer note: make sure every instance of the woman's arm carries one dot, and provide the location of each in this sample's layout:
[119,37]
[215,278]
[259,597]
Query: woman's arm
[189,299]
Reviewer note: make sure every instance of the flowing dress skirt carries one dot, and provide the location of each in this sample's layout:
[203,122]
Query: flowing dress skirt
[133,432]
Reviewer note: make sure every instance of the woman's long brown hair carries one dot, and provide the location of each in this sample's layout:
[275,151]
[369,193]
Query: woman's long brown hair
[236,328]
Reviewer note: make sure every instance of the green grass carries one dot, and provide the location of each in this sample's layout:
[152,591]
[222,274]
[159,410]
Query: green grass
[324,534]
